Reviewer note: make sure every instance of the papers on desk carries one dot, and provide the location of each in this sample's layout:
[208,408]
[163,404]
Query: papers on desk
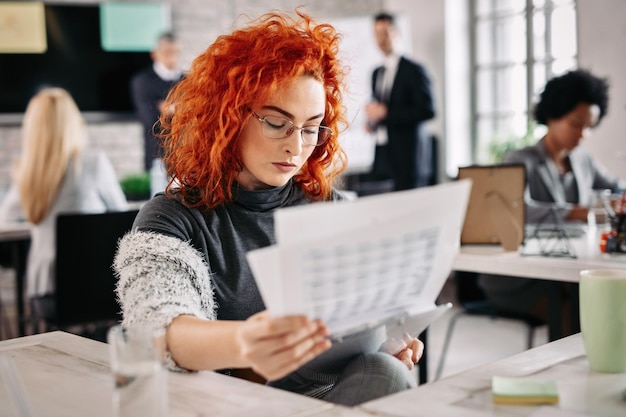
[380,259]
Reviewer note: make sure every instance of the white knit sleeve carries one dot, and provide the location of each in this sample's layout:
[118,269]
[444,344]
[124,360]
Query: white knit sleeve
[160,278]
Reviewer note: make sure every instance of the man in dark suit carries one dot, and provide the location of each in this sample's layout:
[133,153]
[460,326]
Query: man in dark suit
[402,101]
[150,86]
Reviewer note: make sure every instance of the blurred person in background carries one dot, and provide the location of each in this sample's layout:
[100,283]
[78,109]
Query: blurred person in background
[561,176]
[55,174]
[402,102]
[150,86]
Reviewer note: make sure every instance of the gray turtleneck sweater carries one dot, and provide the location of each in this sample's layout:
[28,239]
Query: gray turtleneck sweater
[178,261]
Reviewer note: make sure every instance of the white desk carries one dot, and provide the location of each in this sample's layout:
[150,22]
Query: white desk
[68,375]
[492,259]
[14,231]
[581,391]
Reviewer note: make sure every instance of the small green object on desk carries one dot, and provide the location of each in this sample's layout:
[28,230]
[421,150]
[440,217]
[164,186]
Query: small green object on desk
[523,391]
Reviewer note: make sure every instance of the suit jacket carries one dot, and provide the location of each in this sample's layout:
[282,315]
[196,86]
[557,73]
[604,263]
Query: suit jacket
[147,90]
[544,189]
[409,104]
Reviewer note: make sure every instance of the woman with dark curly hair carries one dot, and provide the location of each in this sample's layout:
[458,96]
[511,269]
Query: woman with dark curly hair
[560,179]
[255,128]
[561,175]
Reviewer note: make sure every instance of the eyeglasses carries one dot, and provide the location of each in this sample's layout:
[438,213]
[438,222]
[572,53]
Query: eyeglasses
[276,127]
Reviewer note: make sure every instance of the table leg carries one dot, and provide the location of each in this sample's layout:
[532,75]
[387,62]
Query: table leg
[555,312]
[19,253]
[423,363]
[574,308]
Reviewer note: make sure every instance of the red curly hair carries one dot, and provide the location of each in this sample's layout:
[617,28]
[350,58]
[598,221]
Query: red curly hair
[201,138]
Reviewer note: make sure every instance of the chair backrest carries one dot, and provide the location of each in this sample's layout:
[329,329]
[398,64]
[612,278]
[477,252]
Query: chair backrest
[467,288]
[85,282]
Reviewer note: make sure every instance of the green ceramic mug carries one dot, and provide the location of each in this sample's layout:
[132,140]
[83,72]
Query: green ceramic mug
[603,318]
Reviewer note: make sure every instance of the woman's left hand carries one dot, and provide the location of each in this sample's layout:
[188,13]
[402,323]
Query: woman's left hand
[409,350]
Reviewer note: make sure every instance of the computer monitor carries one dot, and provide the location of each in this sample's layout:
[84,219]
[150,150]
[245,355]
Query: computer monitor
[495,212]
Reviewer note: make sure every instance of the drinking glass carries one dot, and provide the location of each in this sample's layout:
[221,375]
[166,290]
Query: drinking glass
[136,357]
[598,216]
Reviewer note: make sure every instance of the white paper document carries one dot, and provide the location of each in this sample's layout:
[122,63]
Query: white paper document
[361,263]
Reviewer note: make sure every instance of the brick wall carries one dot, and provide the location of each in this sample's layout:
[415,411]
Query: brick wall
[196,23]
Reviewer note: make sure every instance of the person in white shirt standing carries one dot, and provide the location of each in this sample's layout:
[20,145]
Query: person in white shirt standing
[402,101]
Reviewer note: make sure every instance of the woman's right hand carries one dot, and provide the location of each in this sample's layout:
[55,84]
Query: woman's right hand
[276,346]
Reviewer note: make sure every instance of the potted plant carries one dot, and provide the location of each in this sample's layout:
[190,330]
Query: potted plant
[499,147]
[136,187]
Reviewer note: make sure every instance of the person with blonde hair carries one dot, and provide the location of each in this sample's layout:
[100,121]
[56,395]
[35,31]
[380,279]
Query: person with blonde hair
[54,175]
[255,128]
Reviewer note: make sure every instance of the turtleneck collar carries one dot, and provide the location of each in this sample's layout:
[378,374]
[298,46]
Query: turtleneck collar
[266,200]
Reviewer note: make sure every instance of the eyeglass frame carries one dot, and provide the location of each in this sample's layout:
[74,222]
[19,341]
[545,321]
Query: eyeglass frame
[265,124]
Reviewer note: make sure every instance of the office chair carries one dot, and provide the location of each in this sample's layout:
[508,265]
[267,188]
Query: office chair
[84,297]
[474,303]
[428,167]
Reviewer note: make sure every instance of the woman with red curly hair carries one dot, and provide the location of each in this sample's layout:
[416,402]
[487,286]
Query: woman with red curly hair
[254,128]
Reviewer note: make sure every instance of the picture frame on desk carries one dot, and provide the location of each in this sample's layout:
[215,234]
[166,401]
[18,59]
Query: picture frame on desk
[495,212]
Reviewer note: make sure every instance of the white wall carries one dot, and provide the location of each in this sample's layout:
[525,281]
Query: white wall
[602,36]
[458,118]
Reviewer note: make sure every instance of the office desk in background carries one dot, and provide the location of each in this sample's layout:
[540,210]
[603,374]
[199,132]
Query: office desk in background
[582,392]
[525,263]
[492,259]
[17,236]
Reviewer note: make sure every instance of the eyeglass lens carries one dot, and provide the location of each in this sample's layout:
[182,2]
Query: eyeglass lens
[276,127]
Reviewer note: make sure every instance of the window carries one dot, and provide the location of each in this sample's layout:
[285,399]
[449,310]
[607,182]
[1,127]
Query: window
[517,45]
